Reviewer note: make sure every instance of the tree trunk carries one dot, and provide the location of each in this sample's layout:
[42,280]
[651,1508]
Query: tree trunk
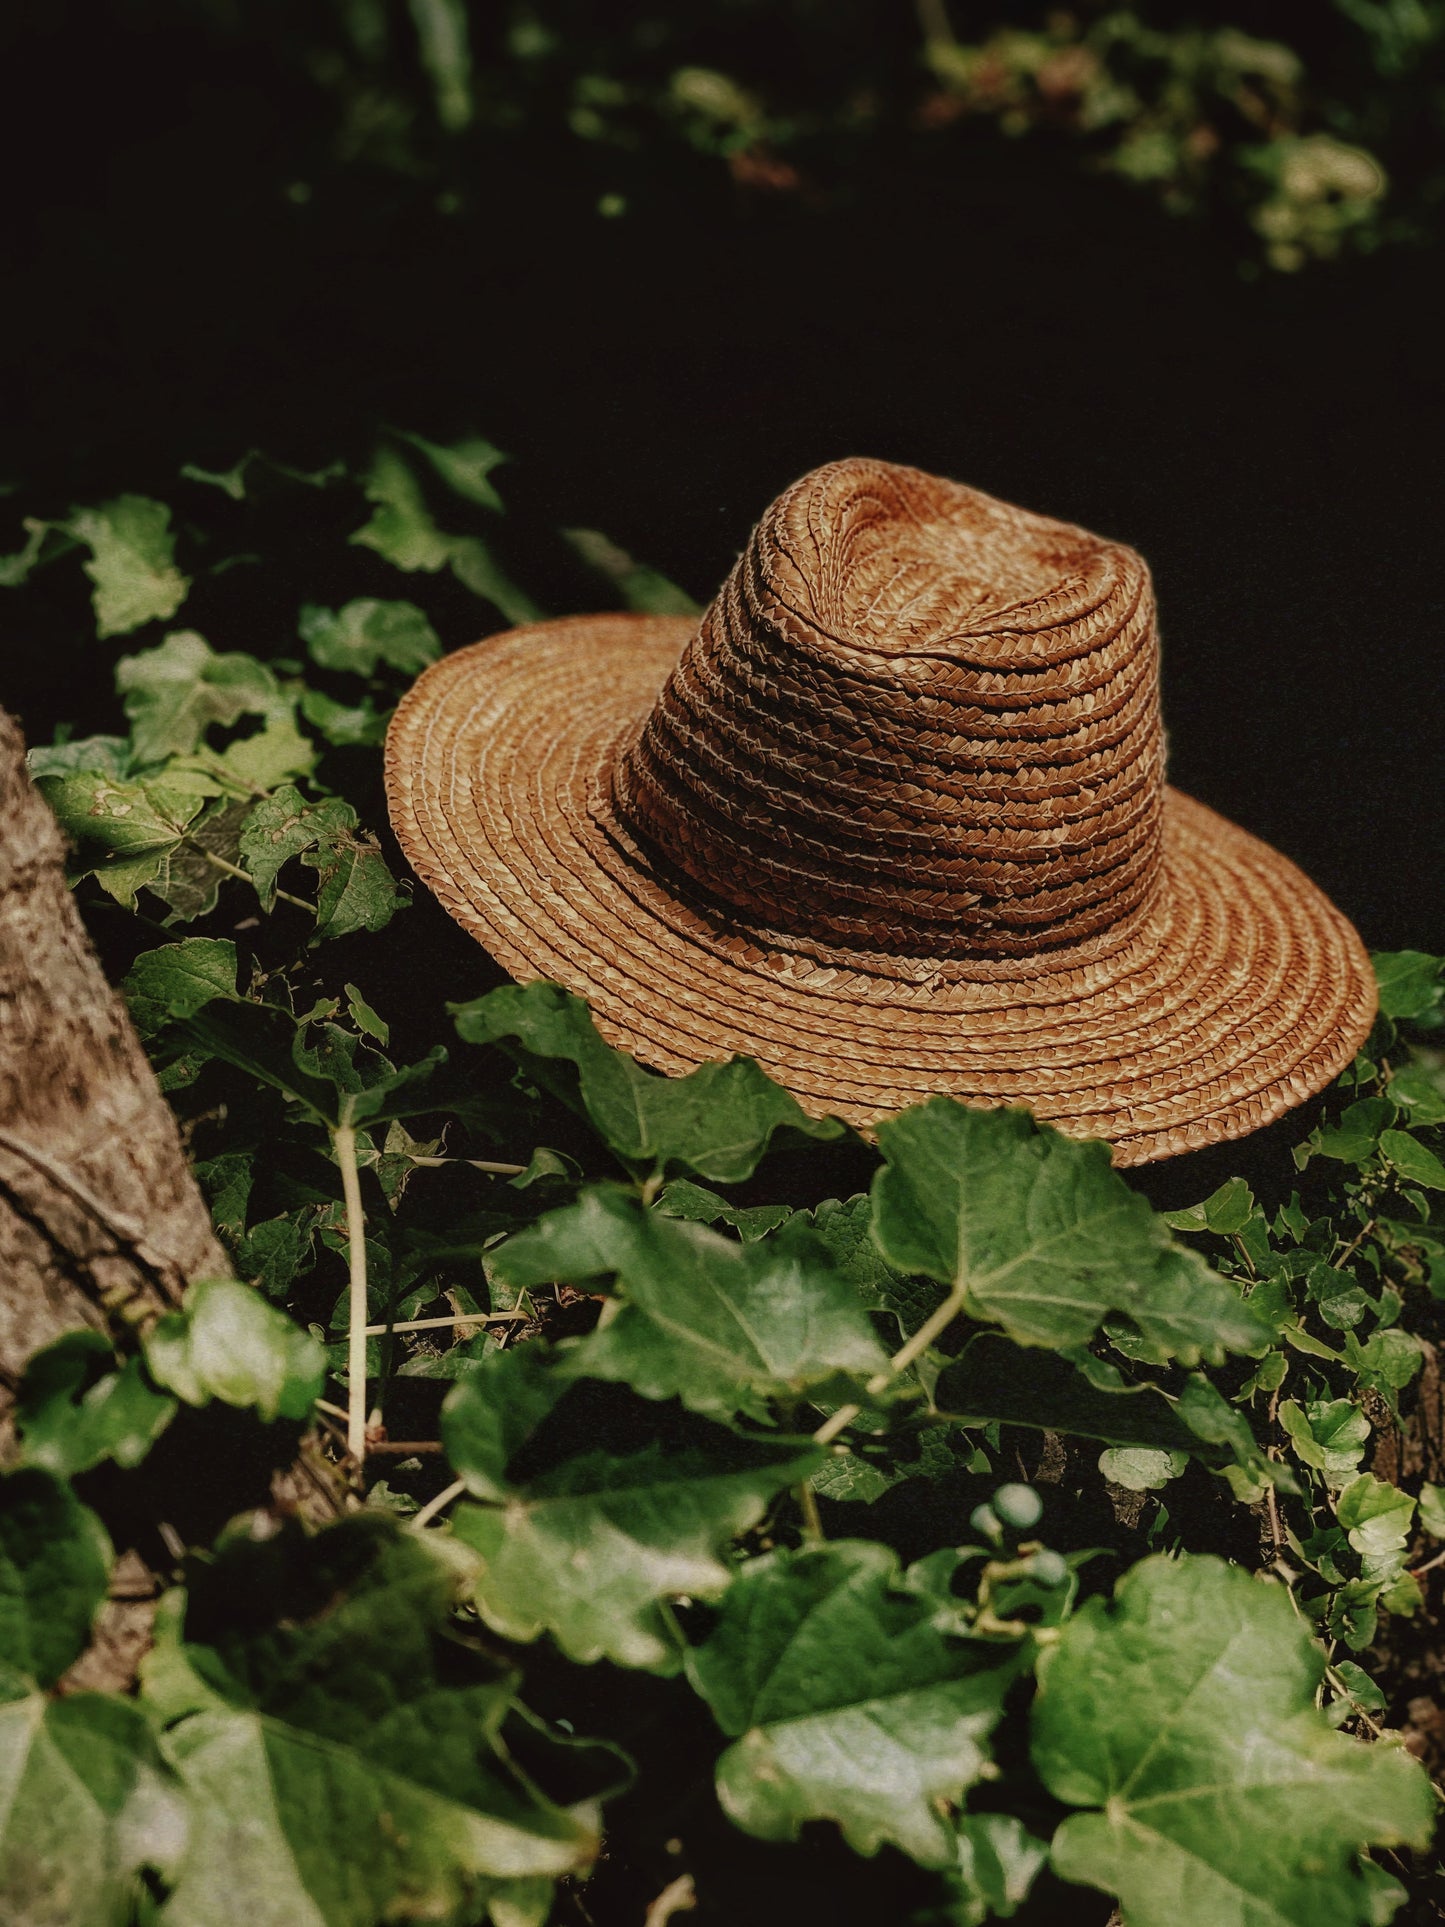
[100,1217]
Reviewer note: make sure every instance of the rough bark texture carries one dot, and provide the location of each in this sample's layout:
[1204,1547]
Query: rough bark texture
[100,1216]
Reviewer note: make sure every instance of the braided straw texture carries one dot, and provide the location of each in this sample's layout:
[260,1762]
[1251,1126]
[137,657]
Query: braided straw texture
[891,819]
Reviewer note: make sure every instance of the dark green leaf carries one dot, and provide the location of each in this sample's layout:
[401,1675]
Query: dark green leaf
[132,562]
[998,1859]
[346,1764]
[993,1378]
[717,1121]
[1412,1160]
[367,632]
[1045,1237]
[402,531]
[1328,1434]
[1225,1211]
[1355,1137]
[726,1327]
[349,726]
[592,1548]
[228,1343]
[1185,1711]
[54,1568]
[684,1199]
[464,466]
[179,979]
[76,1407]
[846,1702]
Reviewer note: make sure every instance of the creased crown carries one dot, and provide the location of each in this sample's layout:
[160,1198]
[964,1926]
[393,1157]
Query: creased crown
[915,720]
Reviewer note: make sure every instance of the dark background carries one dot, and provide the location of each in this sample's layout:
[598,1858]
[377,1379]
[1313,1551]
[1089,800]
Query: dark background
[1269,441]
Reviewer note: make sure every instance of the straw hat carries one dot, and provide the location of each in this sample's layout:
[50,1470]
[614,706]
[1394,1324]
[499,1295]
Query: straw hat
[891,819]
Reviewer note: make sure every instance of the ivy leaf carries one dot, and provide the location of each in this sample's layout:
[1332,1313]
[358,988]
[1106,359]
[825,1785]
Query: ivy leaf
[75,1407]
[345,1762]
[177,691]
[1185,1711]
[464,466]
[54,1569]
[132,562]
[639,586]
[717,1121]
[15,567]
[1328,1434]
[1354,1137]
[1411,983]
[179,979]
[725,1327]
[995,1379]
[402,532]
[1141,1468]
[1413,1161]
[347,725]
[227,1343]
[590,1548]
[846,1702]
[1225,1211]
[89,1803]
[1377,1518]
[693,1202]
[998,1860]
[357,891]
[366,632]
[1046,1237]
[128,828]
[105,755]
[1432,1510]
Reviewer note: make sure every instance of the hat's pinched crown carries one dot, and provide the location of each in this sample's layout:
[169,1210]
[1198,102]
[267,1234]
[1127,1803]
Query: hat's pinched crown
[914,721]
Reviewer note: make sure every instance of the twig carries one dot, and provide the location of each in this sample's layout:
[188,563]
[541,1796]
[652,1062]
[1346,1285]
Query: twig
[457,1318]
[235,870]
[1353,1246]
[812,1520]
[439,1504]
[901,1359]
[344,1140]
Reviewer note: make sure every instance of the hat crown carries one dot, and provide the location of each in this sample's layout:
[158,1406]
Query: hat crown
[915,720]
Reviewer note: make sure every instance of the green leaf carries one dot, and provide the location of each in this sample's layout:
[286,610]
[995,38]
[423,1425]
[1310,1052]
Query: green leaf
[994,1379]
[1355,1137]
[590,1548]
[1185,1711]
[228,1343]
[346,1762]
[347,725]
[1419,1089]
[88,1803]
[273,755]
[367,632]
[357,891]
[179,979]
[717,1121]
[174,693]
[639,586]
[1141,1468]
[684,1199]
[846,1702]
[1224,1211]
[1044,1236]
[54,1569]
[401,530]
[1412,1160]
[105,755]
[464,466]
[1432,1510]
[75,1407]
[998,1860]
[1410,982]
[725,1327]
[1377,1518]
[1328,1434]
[16,567]
[122,819]
[132,562]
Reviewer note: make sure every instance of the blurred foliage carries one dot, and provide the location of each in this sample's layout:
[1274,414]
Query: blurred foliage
[1305,148]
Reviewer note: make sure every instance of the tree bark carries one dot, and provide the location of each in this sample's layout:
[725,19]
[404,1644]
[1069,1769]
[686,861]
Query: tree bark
[100,1217]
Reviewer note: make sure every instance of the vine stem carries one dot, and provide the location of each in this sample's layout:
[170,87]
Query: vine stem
[235,870]
[932,1326]
[439,1504]
[344,1139]
[812,1519]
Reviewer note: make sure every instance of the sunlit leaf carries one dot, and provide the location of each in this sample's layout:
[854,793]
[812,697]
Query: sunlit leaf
[228,1343]
[365,633]
[177,691]
[132,562]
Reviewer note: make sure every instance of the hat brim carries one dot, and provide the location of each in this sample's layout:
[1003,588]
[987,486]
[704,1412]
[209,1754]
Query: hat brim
[1239,992]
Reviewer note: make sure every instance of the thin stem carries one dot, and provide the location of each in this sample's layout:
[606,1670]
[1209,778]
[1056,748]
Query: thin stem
[439,1504]
[812,1520]
[345,1143]
[235,870]
[930,1329]
[457,1318]
[477,1164]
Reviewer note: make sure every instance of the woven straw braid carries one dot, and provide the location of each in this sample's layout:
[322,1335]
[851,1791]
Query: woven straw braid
[1212,988]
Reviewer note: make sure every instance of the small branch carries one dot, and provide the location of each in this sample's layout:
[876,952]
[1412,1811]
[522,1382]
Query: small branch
[930,1329]
[235,870]
[344,1140]
[1353,1246]
[812,1521]
[439,1504]
[432,1324]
